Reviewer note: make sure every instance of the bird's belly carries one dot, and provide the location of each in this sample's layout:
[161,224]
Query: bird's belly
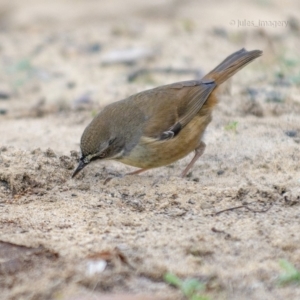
[152,153]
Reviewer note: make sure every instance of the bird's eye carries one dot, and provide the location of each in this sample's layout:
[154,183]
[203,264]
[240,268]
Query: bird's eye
[111,141]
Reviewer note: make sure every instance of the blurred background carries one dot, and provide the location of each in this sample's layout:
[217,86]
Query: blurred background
[79,55]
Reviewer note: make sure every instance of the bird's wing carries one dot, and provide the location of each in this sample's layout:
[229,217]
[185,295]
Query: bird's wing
[178,104]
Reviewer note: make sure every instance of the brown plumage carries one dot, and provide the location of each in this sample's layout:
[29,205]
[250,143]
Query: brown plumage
[159,126]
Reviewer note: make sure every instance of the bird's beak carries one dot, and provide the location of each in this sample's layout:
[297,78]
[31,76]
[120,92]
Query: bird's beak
[81,165]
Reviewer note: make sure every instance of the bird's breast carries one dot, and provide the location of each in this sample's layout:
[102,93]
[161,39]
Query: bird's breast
[152,153]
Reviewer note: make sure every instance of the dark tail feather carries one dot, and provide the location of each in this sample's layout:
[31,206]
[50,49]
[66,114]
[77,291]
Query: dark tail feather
[232,64]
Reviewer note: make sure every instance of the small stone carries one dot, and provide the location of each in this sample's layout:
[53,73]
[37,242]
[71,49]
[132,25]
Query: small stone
[220,31]
[93,48]
[291,133]
[71,84]
[220,172]
[4,95]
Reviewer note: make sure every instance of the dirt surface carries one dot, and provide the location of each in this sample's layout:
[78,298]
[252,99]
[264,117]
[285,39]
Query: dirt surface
[63,238]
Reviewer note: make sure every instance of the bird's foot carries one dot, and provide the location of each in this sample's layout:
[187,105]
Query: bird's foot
[109,178]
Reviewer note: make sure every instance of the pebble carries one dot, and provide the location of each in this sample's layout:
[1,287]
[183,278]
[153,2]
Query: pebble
[291,133]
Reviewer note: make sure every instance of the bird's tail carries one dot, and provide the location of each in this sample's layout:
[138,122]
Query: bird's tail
[232,64]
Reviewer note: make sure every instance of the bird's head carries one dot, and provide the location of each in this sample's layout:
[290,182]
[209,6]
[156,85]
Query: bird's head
[98,143]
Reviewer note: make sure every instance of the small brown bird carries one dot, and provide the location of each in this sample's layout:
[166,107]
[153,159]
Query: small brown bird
[157,127]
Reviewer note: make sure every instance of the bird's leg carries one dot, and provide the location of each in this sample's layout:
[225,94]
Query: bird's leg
[137,172]
[198,152]
[108,179]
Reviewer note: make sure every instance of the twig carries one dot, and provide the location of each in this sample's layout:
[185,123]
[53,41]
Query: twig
[243,206]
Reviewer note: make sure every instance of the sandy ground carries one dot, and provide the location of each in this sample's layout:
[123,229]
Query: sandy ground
[56,73]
